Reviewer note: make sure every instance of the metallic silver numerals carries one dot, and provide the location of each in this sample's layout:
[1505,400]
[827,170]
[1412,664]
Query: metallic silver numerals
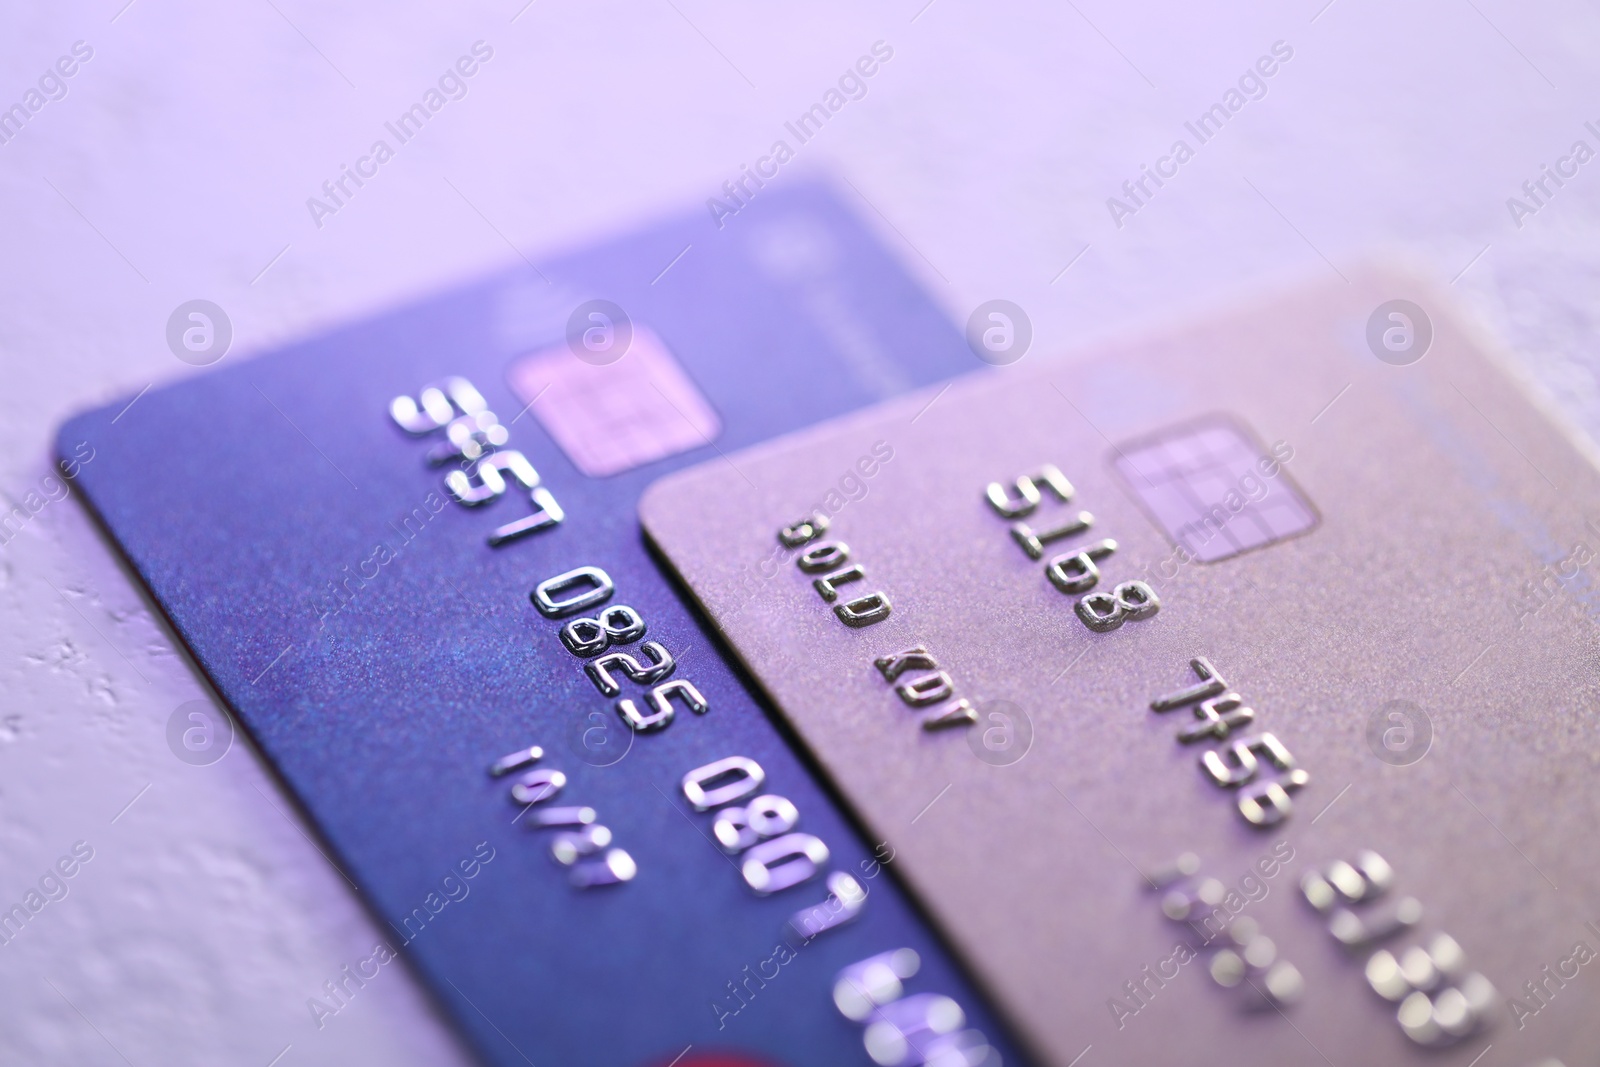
[456,407]
[617,625]
[907,1031]
[1128,602]
[761,831]
[473,436]
[1075,573]
[925,688]
[1239,956]
[490,473]
[828,563]
[585,588]
[1340,886]
[659,666]
[661,705]
[1258,765]
[1027,496]
[1441,1001]
[578,842]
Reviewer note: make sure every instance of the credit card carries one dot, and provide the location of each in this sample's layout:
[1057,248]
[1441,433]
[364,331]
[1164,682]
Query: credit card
[407,555]
[1227,694]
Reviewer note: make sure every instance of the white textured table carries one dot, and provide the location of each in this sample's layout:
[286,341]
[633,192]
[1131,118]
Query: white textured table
[178,165]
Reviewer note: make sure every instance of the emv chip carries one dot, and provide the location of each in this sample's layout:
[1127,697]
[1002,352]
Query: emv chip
[1213,489]
[614,417]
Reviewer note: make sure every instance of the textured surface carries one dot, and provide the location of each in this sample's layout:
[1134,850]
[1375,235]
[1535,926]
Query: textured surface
[1407,590]
[189,145]
[383,653]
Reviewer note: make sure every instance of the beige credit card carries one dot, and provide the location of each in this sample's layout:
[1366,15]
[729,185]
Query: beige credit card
[1228,696]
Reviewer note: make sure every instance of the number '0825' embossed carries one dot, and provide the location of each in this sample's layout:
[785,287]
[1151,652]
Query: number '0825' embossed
[592,638]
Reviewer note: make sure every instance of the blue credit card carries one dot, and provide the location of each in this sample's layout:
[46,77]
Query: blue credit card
[406,555]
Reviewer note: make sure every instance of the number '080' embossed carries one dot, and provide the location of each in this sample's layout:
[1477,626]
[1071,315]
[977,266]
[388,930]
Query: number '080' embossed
[775,857]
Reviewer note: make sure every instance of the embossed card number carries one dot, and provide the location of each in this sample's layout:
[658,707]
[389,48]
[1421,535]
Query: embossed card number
[1246,764]
[1076,572]
[473,436]
[774,856]
[577,834]
[584,588]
